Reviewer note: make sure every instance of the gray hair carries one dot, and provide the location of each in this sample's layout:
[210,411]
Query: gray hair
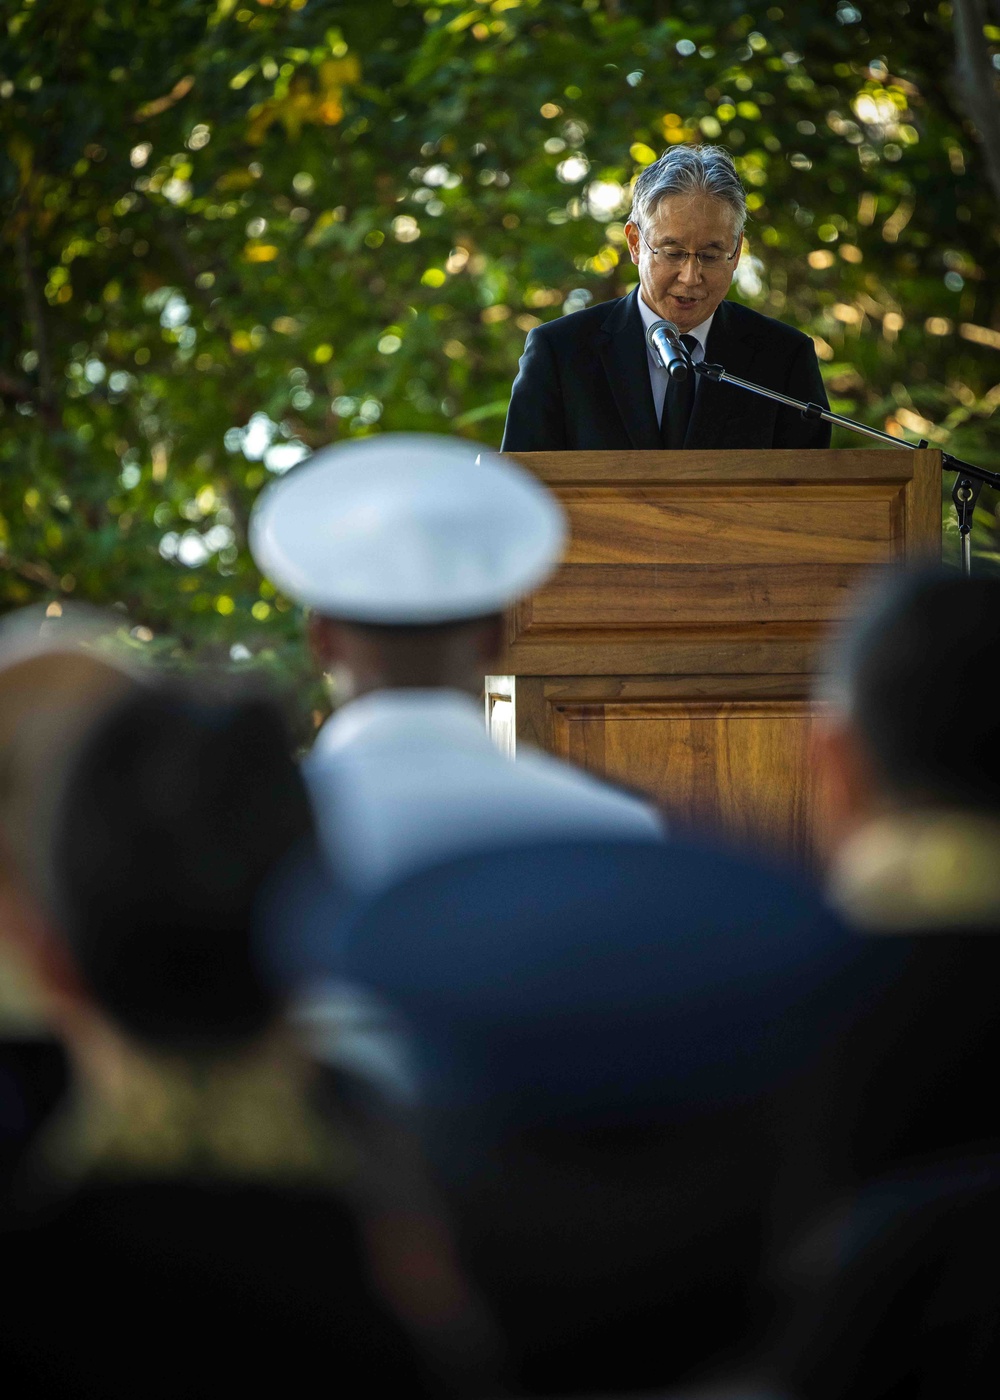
[689,170]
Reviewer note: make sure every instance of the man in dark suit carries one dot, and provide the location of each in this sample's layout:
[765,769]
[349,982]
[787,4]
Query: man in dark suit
[588,381]
[896,1290]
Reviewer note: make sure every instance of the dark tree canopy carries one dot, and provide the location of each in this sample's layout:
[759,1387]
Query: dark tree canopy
[234,232]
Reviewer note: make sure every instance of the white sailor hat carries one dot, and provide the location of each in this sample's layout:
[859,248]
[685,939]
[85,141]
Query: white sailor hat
[407,528]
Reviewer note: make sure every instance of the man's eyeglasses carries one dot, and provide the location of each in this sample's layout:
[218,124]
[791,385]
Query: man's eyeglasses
[677,257]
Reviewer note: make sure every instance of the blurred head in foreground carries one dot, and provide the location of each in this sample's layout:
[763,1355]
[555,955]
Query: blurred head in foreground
[59,671]
[894,1291]
[192,1156]
[407,547]
[909,756]
[172,819]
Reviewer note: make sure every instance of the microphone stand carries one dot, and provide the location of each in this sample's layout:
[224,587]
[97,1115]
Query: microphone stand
[969,480]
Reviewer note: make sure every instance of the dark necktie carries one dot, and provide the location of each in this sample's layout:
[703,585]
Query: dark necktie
[677,402]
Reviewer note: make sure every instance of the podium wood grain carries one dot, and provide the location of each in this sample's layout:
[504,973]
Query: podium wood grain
[676,649]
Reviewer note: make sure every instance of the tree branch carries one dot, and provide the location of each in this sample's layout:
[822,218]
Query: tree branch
[37,573]
[34,317]
[975,83]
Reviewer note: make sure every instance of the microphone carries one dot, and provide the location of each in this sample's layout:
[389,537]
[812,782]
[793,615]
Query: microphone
[664,339]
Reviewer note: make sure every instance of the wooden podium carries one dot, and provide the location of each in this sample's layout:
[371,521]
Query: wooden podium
[676,648]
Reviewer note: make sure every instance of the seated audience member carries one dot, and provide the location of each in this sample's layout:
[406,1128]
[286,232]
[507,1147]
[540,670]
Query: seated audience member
[897,1286]
[910,760]
[56,674]
[408,548]
[616,1043]
[192,1226]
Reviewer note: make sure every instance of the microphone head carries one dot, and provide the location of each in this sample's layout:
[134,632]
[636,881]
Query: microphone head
[672,360]
[668,328]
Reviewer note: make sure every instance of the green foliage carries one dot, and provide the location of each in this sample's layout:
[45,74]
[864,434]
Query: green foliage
[243,230]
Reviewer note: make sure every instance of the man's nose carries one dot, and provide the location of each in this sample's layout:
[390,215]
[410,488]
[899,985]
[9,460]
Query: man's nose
[690,271]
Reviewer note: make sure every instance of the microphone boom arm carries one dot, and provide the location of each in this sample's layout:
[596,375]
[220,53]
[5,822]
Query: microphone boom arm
[970,479]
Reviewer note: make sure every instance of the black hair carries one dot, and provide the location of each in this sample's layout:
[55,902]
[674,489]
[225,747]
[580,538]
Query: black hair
[173,817]
[920,668]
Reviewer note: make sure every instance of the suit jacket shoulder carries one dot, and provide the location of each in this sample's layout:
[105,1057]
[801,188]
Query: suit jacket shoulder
[742,321]
[579,327]
[583,383]
[607,317]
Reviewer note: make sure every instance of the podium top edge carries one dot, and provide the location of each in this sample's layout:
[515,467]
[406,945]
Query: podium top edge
[719,467]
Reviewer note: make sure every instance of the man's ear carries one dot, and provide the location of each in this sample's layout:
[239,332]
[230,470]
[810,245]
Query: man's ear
[39,950]
[325,640]
[848,790]
[634,246]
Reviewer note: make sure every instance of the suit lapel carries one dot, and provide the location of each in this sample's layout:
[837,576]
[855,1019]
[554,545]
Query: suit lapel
[720,409]
[623,354]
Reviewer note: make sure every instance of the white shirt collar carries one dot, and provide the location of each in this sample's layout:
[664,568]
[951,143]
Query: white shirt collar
[407,715]
[700,333]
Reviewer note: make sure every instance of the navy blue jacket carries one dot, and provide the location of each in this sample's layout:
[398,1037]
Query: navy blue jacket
[583,385]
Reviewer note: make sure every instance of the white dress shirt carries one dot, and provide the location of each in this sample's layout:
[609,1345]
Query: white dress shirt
[406,778]
[657,374]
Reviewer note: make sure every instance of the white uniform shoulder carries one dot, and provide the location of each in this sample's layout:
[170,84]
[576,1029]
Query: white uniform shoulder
[583,788]
[406,779]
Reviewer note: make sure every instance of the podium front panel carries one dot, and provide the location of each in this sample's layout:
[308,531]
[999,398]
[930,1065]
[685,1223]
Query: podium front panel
[676,649]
